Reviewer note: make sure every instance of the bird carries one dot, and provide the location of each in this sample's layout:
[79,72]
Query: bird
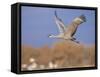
[67,32]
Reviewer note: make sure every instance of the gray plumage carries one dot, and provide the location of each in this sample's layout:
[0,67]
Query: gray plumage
[67,32]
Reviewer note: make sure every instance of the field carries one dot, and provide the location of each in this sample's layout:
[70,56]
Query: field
[62,54]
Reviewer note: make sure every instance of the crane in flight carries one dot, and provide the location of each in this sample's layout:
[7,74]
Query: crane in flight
[67,32]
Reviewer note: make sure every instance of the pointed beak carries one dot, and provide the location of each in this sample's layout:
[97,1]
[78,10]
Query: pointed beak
[49,35]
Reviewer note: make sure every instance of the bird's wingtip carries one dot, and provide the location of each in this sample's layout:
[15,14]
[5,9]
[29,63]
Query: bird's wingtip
[83,17]
[55,13]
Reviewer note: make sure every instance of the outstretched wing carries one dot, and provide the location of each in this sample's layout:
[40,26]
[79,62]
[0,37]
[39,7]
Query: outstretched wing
[72,28]
[59,23]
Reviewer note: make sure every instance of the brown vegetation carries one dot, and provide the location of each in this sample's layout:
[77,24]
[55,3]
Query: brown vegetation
[64,53]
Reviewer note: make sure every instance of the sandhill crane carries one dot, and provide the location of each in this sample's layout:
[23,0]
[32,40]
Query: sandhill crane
[67,32]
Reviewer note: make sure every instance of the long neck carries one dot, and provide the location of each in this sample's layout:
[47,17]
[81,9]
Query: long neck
[54,36]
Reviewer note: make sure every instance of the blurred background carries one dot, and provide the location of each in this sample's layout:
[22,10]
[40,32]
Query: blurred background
[38,23]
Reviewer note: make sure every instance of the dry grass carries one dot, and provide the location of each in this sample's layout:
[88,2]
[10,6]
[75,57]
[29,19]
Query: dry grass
[64,53]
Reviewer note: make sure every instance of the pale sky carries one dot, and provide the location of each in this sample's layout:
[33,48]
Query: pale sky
[38,23]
